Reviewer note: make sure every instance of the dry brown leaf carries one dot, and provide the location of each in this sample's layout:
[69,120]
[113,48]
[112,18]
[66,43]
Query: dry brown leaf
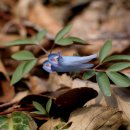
[39,15]
[8,91]
[37,85]
[119,97]
[7,38]
[96,118]
[55,81]
[50,124]
[91,118]
[114,25]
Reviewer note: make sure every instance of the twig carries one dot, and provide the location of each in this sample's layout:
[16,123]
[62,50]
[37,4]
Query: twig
[43,49]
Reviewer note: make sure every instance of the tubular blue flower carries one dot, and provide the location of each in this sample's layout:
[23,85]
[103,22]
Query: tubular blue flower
[50,68]
[56,59]
[47,66]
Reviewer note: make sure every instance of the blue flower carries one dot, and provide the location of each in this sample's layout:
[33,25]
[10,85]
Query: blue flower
[58,63]
[47,66]
[57,60]
[50,68]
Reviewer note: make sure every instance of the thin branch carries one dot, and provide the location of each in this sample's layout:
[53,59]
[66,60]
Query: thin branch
[43,49]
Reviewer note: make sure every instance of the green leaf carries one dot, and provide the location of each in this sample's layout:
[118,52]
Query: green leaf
[48,105]
[105,50]
[40,35]
[29,65]
[77,40]
[17,121]
[117,57]
[39,107]
[64,42]
[20,42]
[22,69]
[23,55]
[119,66]
[118,79]
[37,112]
[62,33]
[88,74]
[18,73]
[103,83]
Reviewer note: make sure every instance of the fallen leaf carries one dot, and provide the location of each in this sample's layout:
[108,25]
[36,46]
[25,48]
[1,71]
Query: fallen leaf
[39,15]
[62,99]
[96,118]
[91,118]
[112,26]
[7,91]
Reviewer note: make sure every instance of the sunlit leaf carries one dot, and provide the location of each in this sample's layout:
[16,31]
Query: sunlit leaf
[88,74]
[48,105]
[64,42]
[22,69]
[103,83]
[17,121]
[39,107]
[118,79]
[40,35]
[23,55]
[119,66]
[62,33]
[20,42]
[105,50]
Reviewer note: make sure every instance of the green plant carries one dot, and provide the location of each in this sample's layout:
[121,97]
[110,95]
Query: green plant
[42,110]
[112,72]
[17,121]
[28,60]
[103,77]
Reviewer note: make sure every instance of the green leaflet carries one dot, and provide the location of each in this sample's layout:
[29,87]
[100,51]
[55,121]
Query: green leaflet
[22,69]
[77,40]
[88,74]
[69,40]
[117,57]
[48,105]
[119,66]
[62,33]
[118,79]
[103,83]
[20,42]
[23,55]
[40,35]
[64,42]
[105,50]
[40,108]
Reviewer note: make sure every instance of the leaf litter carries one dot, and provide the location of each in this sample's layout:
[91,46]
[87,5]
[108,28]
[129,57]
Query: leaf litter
[96,23]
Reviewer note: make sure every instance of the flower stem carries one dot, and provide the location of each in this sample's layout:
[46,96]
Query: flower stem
[43,49]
